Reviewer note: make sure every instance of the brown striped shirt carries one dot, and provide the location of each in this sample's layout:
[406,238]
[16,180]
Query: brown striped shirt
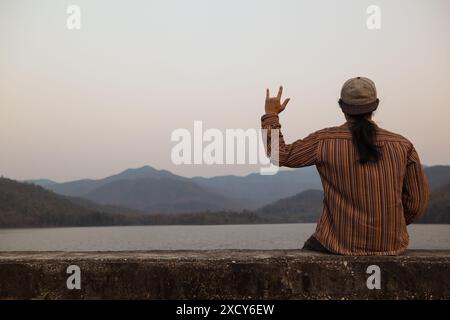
[366,207]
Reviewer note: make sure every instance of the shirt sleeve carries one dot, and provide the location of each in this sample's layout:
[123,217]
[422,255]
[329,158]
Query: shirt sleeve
[415,188]
[301,153]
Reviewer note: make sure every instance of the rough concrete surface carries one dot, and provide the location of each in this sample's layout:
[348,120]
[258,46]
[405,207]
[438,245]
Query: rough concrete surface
[223,274]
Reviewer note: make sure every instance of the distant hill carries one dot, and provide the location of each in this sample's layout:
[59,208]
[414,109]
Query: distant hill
[151,190]
[107,208]
[257,190]
[438,176]
[303,207]
[42,182]
[80,188]
[160,195]
[28,205]
[439,206]
[229,192]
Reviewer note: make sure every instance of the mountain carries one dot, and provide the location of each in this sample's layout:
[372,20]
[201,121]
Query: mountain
[160,195]
[258,190]
[439,206]
[438,176]
[107,208]
[42,182]
[163,191]
[29,205]
[79,188]
[223,192]
[303,207]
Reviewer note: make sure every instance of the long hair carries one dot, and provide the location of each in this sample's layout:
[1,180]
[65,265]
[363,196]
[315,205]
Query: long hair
[363,134]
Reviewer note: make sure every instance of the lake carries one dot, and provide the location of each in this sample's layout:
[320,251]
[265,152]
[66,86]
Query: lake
[262,236]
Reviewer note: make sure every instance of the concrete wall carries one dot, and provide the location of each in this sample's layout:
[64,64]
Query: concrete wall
[224,274]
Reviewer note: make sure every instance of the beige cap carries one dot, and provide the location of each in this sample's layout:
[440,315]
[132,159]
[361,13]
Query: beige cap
[358,96]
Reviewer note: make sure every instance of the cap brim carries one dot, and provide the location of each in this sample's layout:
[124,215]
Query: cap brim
[358,109]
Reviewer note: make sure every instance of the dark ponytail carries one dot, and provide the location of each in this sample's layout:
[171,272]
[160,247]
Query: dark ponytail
[363,134]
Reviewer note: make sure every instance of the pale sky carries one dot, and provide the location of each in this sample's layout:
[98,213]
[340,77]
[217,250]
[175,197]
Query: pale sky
[93,102]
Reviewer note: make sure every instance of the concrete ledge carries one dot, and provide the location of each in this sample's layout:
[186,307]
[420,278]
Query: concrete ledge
[223,274]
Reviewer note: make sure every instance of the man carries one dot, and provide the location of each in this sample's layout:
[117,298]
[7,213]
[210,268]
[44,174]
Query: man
[373,182]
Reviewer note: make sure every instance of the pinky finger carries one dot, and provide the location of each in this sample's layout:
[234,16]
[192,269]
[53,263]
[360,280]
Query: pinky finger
[285,103]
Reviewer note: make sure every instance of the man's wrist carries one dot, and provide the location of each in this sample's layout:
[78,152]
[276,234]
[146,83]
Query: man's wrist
[270,114]
[270,118]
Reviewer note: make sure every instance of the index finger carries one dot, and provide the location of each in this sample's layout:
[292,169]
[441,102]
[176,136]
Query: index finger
[280,92]
[267,94]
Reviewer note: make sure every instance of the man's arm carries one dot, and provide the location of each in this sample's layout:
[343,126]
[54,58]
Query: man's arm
[301,153]
[415,188]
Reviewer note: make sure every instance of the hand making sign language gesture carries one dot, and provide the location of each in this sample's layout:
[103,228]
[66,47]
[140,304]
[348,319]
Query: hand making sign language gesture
[273,105]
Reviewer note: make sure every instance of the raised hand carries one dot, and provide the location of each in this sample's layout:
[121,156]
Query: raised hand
[274,105]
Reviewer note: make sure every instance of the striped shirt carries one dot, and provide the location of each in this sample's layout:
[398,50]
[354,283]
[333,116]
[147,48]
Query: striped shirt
[366,207]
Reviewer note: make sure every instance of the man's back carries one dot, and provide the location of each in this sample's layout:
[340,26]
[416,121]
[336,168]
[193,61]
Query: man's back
[366,206]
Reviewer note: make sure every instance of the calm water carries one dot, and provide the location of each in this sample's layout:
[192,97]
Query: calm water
[275,236]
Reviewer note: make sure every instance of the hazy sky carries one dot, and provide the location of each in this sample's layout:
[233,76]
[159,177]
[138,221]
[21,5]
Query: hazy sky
[95,101]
